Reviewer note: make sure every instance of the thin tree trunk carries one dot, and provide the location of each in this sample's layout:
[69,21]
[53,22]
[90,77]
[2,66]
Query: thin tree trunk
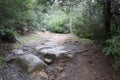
[70,25]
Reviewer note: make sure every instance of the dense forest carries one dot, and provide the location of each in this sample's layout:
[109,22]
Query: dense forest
[82,17]
[97,20]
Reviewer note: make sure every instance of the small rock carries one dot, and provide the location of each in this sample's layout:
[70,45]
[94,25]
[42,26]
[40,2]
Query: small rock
[77,42]
[59,68]
[43,74]
[42,47]
[18,51]
[10,57]
[62,75]
[39,75]
[11,60]
[48,61]
[50,56]
[38,48]
[70,55]
[25,49]
[31,63]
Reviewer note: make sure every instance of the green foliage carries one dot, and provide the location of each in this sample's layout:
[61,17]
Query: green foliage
[14,15]
[81,27]
[113,49]
[56,22]
[2,60]
[15,10]
[53,15]
[81,22]
[8,35]
[115,30]
[89,22]
[113,46]
[39,14]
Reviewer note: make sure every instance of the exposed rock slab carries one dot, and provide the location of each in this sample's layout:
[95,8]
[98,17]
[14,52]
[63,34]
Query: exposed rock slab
[31,63]
[53,51]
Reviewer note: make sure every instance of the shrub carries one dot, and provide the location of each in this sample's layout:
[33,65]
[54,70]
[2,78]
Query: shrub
[57,22]
[88,25]
[113,49]
[13,15]
[113,46]
[81,27]
[2,60]
[8,35]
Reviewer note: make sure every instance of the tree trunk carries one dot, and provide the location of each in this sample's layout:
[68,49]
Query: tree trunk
[107,18]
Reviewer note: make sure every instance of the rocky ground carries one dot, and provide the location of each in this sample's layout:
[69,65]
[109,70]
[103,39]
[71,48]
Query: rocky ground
[57,57]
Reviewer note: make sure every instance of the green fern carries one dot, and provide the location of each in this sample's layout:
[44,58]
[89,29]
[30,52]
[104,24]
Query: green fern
[113,47]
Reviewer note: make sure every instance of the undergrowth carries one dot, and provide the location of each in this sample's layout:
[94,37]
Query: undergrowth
[113,49]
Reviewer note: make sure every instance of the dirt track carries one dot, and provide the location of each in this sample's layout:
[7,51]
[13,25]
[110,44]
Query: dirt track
[89,64]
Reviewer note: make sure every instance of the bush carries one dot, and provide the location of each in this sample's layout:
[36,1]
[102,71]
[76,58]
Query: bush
[81,27]
[13,15]
[113,49]
[2,60]
[113,46]
[8,35]
[57,22]
[88,25]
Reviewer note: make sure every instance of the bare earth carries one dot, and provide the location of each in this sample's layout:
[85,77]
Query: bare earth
[88,63]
